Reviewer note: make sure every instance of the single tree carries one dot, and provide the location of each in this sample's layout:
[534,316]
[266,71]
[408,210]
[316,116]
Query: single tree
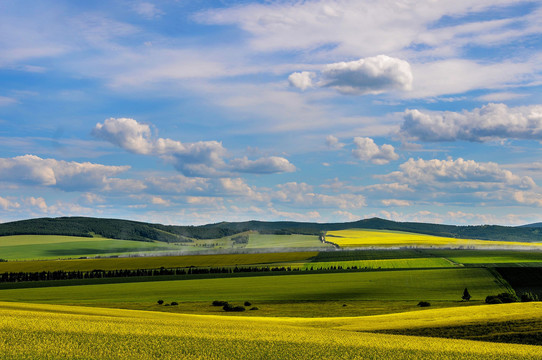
[466,296]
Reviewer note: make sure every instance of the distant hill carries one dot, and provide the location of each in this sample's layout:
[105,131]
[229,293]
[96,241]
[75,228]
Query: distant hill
[134,230]
[535,225]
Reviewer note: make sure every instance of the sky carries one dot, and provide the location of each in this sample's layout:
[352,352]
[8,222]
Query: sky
[194,112]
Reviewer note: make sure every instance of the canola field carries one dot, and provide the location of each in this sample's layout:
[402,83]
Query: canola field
[358,238]
[36,331]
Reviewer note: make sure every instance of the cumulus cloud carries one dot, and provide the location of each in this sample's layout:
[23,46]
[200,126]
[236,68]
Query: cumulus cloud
[367,150]
[68,176]
[301,80]
[372,75]
[333,142]
[202,158]
[457,174]
[268,165]
[492,121]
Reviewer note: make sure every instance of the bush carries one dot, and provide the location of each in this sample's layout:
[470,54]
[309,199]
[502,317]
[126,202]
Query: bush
[493,300]
[160,302]
[254,308]
[424,304]
[229,308]
[503,298]
[219,303]
[528,297]
[248,303]
[174,303]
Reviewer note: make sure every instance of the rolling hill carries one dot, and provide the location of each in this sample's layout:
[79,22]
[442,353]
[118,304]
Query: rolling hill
[141,231]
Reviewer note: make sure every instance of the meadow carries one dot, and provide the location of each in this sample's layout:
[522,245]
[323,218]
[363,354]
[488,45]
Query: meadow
[61,332]
[33,247]
[398,285]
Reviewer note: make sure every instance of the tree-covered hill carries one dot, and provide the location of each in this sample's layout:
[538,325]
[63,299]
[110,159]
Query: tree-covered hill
[133,230]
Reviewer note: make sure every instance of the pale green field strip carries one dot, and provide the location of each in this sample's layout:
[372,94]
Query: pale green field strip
[262,241]
[48,331]
[382,264]
[370,238]
[155,262]
[23,247]
[415,285]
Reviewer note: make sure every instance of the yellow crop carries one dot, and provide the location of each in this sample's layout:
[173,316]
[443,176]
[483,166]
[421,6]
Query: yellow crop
[34,331]
[375,238]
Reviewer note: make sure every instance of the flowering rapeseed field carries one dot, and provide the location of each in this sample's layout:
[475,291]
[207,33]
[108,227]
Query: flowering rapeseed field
[375,238]
[35,331]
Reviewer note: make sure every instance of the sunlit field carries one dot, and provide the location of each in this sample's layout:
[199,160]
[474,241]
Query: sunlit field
[51,331]
[354,238]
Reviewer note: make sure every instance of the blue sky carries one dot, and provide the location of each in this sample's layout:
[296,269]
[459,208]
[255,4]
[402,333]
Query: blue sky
[192,112]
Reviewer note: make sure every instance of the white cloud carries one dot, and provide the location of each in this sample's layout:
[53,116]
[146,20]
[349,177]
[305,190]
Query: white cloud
[7,204]
[492,121]
[367,150]
[333,142]
[68,176]
[528,198]
[301,80]
[199,159]
[148,10]
[453,175]
[348,216]
[268,165]
[396,202]
[7,101]
[302,194]
[372,75]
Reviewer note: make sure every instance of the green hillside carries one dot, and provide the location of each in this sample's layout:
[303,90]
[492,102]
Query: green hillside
[140,231]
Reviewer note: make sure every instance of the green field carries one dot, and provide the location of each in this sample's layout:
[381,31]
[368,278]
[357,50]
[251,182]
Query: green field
[155,262]
[263,241]
[433,284]
[26,247]
[491,256]
[381,264]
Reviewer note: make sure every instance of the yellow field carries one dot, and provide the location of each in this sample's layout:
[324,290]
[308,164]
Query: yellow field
[35,331]
[376,238]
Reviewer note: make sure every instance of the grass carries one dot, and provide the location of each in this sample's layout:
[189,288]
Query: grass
[154,262]
[413,285]
[381,264]
[23,247]
[52,331]
[374,238]
[262,241]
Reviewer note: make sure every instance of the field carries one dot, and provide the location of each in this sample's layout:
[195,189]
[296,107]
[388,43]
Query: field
[340,304]
[266,241]
[26,247]
[413,285]
[155,262]
[375,238]
[52,331]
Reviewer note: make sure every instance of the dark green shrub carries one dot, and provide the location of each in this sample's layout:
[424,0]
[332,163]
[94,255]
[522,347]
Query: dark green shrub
[238,308]
[503,298]
[528,297]
[219,303]
[160,302]
[227,307]
[424,304]
[254,308]
[174,303]
[248,303]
